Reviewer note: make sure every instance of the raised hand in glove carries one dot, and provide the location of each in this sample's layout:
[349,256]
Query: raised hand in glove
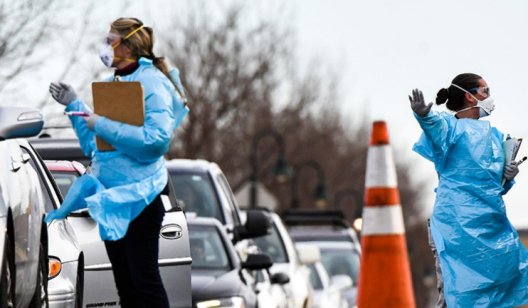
[62,93]
[510,171]
[418,104]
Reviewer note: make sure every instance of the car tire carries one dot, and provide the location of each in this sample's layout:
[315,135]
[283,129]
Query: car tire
[40,298]
[79,288]
[7,280]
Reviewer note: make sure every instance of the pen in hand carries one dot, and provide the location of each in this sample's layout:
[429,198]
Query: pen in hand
[520,161]
[76,113]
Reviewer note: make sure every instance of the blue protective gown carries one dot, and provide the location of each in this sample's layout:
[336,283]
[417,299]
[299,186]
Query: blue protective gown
[123,182]
[483,262]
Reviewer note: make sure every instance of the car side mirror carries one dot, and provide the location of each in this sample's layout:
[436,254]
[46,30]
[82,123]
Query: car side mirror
[341,282]
[18,122]
[258,223]
[280,278]
[308,254]
[257,262]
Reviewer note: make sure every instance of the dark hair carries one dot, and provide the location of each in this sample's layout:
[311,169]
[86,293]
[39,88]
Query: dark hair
[453,95]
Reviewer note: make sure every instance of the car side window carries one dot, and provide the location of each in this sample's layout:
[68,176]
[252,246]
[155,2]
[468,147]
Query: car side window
[49,196]
[273,246]
[197,194]
[233,207]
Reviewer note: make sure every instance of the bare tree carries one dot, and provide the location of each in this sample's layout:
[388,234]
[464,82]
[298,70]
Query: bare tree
[243,79]
[25,27]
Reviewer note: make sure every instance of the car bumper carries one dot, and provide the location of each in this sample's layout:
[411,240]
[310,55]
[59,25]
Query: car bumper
[61,289]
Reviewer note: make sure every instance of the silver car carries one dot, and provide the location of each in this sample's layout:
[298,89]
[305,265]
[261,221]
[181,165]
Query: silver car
[174,255]
[24,240]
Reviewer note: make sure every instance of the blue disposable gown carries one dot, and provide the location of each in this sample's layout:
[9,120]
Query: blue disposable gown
[483,262]
[123,182]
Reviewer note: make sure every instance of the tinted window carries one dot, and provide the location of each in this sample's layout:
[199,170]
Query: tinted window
[272,245]
[341,261]
[207,248]
[224,185]
[64,180]
[315,280]
[197,194]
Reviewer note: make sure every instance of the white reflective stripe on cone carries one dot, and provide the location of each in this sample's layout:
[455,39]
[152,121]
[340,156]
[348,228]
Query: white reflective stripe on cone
[382,220]
[380,167]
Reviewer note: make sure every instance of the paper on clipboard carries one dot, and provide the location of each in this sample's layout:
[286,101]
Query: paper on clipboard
[511,147]
[121,101]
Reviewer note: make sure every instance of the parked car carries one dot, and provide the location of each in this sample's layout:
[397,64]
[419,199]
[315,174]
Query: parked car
[328,292]
[66,260]
[174,255]
[24,240]
[291,261]
[337,241]
[220,278]
[202,189]
[320,225]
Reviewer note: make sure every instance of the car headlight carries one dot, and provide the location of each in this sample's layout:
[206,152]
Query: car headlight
[55,267]
[231,302]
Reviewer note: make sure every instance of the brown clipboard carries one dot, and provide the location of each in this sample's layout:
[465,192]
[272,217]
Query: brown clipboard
[121,101]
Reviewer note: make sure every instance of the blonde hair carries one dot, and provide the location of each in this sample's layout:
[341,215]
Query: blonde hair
[141,43]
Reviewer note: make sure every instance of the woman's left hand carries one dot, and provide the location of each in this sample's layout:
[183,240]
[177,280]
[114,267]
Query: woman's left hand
[510,171]
[91,119]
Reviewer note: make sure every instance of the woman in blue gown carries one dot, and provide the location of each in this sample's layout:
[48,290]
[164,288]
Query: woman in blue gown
[481,259]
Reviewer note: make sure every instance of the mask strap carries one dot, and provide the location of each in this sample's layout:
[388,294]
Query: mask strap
[457,86]
[127,36]
[133,32]
[471,107]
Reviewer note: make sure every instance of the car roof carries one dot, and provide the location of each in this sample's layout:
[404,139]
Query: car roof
[192,165]
[59,149]
[65,166]
[333,245]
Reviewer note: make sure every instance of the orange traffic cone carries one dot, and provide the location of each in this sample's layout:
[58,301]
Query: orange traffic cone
[385,275]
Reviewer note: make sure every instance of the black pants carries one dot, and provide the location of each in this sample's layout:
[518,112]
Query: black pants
[134,260]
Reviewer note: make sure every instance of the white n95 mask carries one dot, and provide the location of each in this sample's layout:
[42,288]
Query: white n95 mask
[106,53]
[486,106]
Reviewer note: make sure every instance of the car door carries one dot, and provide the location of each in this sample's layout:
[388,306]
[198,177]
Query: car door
[24,197]
[175,256]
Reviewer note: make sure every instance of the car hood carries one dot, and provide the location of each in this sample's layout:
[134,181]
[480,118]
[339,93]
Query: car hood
[208,284]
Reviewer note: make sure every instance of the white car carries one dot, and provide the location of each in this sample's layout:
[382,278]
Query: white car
[290,260]
[328,292]
[99,287]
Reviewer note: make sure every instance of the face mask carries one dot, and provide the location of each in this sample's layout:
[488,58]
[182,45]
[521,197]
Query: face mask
[486,106]
[106,53]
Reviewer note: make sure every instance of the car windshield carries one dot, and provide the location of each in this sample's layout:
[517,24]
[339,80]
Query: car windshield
[197,194]
[272,245]
[341,261]
[207,248]
[64,180]
[315,280]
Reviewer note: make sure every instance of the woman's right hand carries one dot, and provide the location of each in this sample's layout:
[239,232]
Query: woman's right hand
[418,104]
[62,93]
